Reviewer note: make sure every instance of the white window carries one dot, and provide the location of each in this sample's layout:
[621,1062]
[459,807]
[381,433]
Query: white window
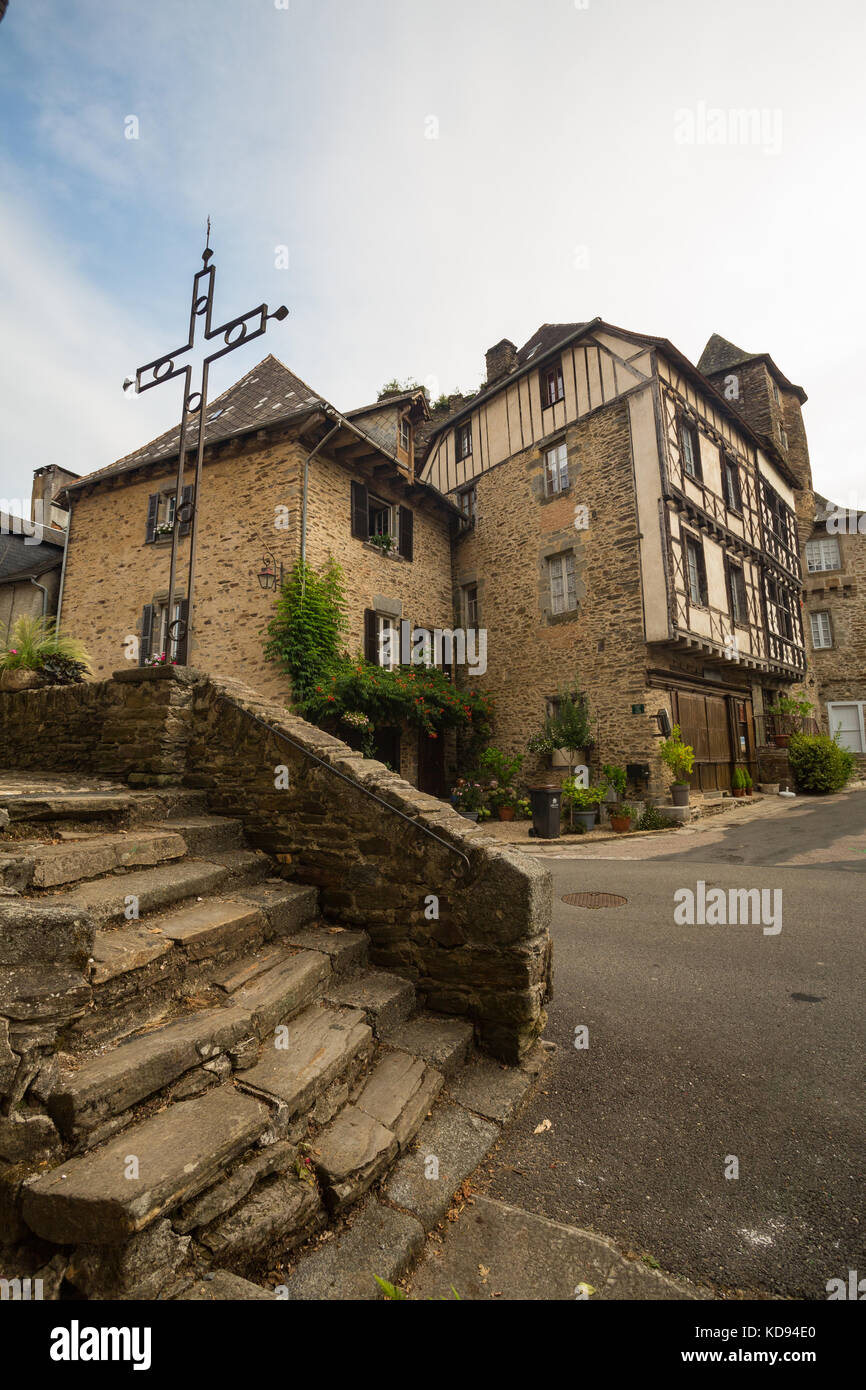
[470,605]
[381,517]
[404,433]
[822,632]
[846,721]
[556,469]
[823,555]
[160,638]
[388,636]
[563,593]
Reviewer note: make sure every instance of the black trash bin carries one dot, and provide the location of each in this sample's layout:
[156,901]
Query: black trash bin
[546,805]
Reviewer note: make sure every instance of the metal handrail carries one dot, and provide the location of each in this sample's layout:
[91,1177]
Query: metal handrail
[278,733]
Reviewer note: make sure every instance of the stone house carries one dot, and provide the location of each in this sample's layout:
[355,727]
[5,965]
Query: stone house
[628,533]
[285,475]
[32,550]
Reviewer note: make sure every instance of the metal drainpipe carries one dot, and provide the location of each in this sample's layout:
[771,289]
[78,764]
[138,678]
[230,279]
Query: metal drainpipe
[63,566]
[44,595]
[307,462]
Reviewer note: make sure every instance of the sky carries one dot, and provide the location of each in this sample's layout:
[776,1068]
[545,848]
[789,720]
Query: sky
[416,181]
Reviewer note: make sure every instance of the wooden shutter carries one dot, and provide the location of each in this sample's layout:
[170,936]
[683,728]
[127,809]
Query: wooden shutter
[186,502]
[152,517]
[406,524]
[183,644]
[360,518]
[146,633]
[371,636]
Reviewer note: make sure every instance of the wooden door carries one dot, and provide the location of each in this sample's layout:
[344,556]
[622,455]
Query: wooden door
[705,724]
[431,765]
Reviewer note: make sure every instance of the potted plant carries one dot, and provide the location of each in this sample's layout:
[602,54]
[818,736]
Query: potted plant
[749,784]
[584,802]
[569,729]
[502,768]
[621,817]
[738,781]
[789,714]
[37,654]
[680,758]
[468,798]
[383,542]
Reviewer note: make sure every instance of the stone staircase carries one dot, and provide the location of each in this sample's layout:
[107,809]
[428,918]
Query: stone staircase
[201,1074]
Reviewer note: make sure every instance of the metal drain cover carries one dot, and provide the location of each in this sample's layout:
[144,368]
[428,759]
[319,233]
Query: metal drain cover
[594,900]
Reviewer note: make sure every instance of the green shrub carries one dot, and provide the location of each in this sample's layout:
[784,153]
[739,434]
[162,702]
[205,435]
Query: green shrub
[818,763]
[652,819]
[33,640]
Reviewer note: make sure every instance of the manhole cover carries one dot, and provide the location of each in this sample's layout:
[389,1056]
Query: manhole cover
[594,900]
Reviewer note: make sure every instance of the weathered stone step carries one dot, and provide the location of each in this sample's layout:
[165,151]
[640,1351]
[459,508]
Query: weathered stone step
[178,1152]
[109,899]
[351,1154]
[400,1092]
[380,1241]
[457,1140]
[278,994]
[203,834]
[49,866]
[288,907]
[107,1085]
[276,1217]
[317,1047]
[386,999]
[443,1042]
[61,806]
[206,929]
[347,949]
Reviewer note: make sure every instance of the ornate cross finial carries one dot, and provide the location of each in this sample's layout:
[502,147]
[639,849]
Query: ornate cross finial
[234,332]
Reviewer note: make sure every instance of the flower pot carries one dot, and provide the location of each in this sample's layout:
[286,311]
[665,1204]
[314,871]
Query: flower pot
[738,791]
[620,824]
[506,813]
[21,679]
[468,815]
[781,740]
[680,794]
[585,818]
[749,791]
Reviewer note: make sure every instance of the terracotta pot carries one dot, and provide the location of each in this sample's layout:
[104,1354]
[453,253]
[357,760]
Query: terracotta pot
[506,813]
[620,824]
[21,679]
[738,791]
[781,740]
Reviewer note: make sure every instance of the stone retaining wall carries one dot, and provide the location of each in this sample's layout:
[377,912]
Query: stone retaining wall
[466,920]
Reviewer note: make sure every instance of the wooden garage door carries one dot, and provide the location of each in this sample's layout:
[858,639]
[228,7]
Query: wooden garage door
[706,726]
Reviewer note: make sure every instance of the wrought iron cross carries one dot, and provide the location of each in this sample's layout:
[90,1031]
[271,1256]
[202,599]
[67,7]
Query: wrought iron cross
[234,333]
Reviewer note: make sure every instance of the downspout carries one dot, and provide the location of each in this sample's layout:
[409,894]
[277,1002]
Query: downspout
[63,566]
[44,594]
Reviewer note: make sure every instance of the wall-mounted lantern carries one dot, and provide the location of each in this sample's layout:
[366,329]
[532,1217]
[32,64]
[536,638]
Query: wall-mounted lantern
[269,576]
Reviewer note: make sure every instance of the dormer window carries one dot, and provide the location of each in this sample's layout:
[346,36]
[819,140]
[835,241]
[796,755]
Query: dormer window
[463,441]
[405,433]
[552,386]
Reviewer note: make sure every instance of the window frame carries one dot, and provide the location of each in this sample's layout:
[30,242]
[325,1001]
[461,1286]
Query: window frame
[564,560]
[821,646]
[405,427]
[470,511]
[551,374]
[689,430]
[739,601]
[386,623]
[730,465]
[561,462]
[692,542]
[382,505]
[460,432]
[821,541]
[470,606]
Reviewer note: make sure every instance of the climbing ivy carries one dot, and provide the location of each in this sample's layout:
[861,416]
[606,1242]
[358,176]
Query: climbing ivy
[305,635]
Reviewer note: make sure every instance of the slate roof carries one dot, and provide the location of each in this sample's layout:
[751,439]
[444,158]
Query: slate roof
[269,393]
[719,355]
[545,338]
[18,560]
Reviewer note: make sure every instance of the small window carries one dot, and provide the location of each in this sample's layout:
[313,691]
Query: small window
[776,396]
[380,517]
[696,571]
[470,605]
[822,632]
[733,494]
[563,593]
[783,437]
[778,515]
[463,441]
[690,449]
[552,386]
[467,501]
[556,469]
[405,433]
[823,555]
[739,601]
[388,642]
[780,602]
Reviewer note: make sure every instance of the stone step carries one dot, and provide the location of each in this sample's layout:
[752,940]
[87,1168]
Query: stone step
[106,1085]
[276,1217]
[457,1140]
[282,991]
[443,1042]
[207,929]
[347,949]
[288,907]
[61,806]
[386,999]
[176,1153]
[399,1093]
[379,1241]
[109,899]
[49,866]
[318,1046]
[203,834]
[350,1154]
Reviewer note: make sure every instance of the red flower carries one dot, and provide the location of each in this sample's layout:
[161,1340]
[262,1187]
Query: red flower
[331,699]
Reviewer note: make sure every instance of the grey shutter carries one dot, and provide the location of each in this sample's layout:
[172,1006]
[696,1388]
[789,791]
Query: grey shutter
[152,516]
[146,633]
[186,502]
[360,517]
[183,644]
[371,643]
[406,527]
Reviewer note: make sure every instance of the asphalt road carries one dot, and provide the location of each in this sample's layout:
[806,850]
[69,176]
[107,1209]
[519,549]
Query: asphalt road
[707,1042]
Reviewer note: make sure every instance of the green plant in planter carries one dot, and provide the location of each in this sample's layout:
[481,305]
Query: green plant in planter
[738,780]
[469,796]
[678,756]
[500,766]
[747,779]
[33,640]
[620,811]
[383,542]
[524,808]
[791,712]
[615,779]
[540,744]
[569,727]
[581,798]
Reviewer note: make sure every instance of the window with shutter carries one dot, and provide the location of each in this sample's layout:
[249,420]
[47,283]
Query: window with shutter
[185,510]
[371,649]
[146,633]
[406,525]
[152,518]
[360,524]
[181,643]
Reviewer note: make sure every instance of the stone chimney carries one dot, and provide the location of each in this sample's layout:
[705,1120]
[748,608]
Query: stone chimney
[501,360]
